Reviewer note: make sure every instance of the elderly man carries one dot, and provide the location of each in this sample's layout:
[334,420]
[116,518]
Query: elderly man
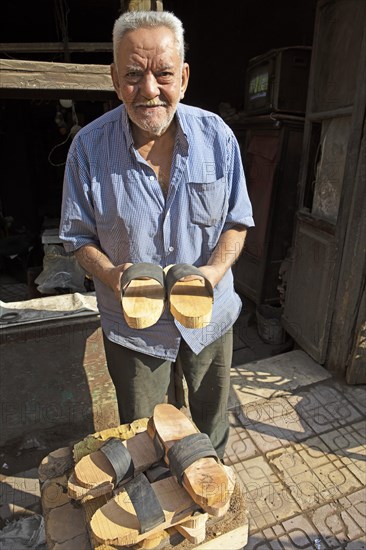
[158,181]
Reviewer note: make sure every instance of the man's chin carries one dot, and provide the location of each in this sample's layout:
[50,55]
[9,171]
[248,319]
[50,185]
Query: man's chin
[151,127]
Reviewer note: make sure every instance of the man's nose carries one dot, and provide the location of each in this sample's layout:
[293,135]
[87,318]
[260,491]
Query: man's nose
[149,86]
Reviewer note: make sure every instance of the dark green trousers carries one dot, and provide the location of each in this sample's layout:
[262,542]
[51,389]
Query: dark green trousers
[142,381]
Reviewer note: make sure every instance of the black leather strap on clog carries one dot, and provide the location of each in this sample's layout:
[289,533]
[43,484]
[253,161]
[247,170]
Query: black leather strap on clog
[147,507]
[187,450]
[178,271]
[120,459]
[143,269]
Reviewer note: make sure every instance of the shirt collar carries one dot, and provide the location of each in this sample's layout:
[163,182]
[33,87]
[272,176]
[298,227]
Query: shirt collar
[126,127]
[181,134]
[182,139]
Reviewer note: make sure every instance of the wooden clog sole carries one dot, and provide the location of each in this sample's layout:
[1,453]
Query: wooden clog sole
[143,303]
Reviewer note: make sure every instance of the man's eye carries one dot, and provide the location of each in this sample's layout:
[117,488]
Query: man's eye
[132,75]
[164,75]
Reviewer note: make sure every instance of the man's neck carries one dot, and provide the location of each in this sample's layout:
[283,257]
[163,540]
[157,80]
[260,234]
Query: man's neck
[146,141]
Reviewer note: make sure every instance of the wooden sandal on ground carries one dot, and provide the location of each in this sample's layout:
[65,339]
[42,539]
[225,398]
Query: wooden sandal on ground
[140,510]
[190,300]
[191,459]
[142,294]
[114,463]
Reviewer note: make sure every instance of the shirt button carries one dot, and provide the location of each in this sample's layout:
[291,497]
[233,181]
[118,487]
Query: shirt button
[171,248]
[151,178]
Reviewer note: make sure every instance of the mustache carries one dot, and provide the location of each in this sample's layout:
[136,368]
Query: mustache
[152,103]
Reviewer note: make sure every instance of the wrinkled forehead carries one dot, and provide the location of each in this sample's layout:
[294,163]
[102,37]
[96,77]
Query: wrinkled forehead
[148,43]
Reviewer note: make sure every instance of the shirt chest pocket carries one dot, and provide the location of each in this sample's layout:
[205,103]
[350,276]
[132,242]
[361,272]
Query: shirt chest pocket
[207,202]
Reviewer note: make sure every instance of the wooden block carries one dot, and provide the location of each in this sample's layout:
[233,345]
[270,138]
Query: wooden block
[55,464]
[194,536]
[53,493]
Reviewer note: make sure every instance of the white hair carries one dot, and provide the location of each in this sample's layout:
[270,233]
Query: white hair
[132,20]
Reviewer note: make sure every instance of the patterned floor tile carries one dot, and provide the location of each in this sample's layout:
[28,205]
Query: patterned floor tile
[273,424]
[355,505]
[349,444]
[267,499]
[324,408]
[266,410]
[313,477]
[336,525]
[355,394]
[359,544]
[263,541]
[268,438]
[296,533]
[239,446]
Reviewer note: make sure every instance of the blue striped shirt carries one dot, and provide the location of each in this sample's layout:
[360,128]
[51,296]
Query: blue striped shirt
[112,198]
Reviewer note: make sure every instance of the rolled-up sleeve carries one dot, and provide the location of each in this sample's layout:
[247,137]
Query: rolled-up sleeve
[240,208]
[77,224]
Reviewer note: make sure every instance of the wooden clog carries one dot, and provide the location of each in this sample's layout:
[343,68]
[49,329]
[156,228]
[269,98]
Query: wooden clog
[99,472]
[191,459]
[142,294]
[140,510]
[190,295]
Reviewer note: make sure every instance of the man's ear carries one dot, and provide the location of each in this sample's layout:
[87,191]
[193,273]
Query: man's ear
[115,80]
[185,78]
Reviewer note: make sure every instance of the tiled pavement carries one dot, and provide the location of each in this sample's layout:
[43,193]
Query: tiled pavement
[298,446]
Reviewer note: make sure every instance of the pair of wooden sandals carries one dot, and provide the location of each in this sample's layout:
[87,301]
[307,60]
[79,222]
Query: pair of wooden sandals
[146,288]
[192,481]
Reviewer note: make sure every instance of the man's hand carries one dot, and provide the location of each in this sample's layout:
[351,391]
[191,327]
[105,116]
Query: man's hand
[95,262]
[212,273]
[113,278]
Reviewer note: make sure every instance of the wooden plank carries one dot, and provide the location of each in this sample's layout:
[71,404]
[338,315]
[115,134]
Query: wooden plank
[51,47]
[351,238]
[235,540]
[19,78]
[337,47]
[306,314]
[335,113]
[356,372]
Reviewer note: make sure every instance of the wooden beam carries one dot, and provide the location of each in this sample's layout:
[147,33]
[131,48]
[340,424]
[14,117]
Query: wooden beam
[32,79]
[51,47]
[145,5]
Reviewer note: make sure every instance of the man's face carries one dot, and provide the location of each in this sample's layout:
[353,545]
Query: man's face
[149,78]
